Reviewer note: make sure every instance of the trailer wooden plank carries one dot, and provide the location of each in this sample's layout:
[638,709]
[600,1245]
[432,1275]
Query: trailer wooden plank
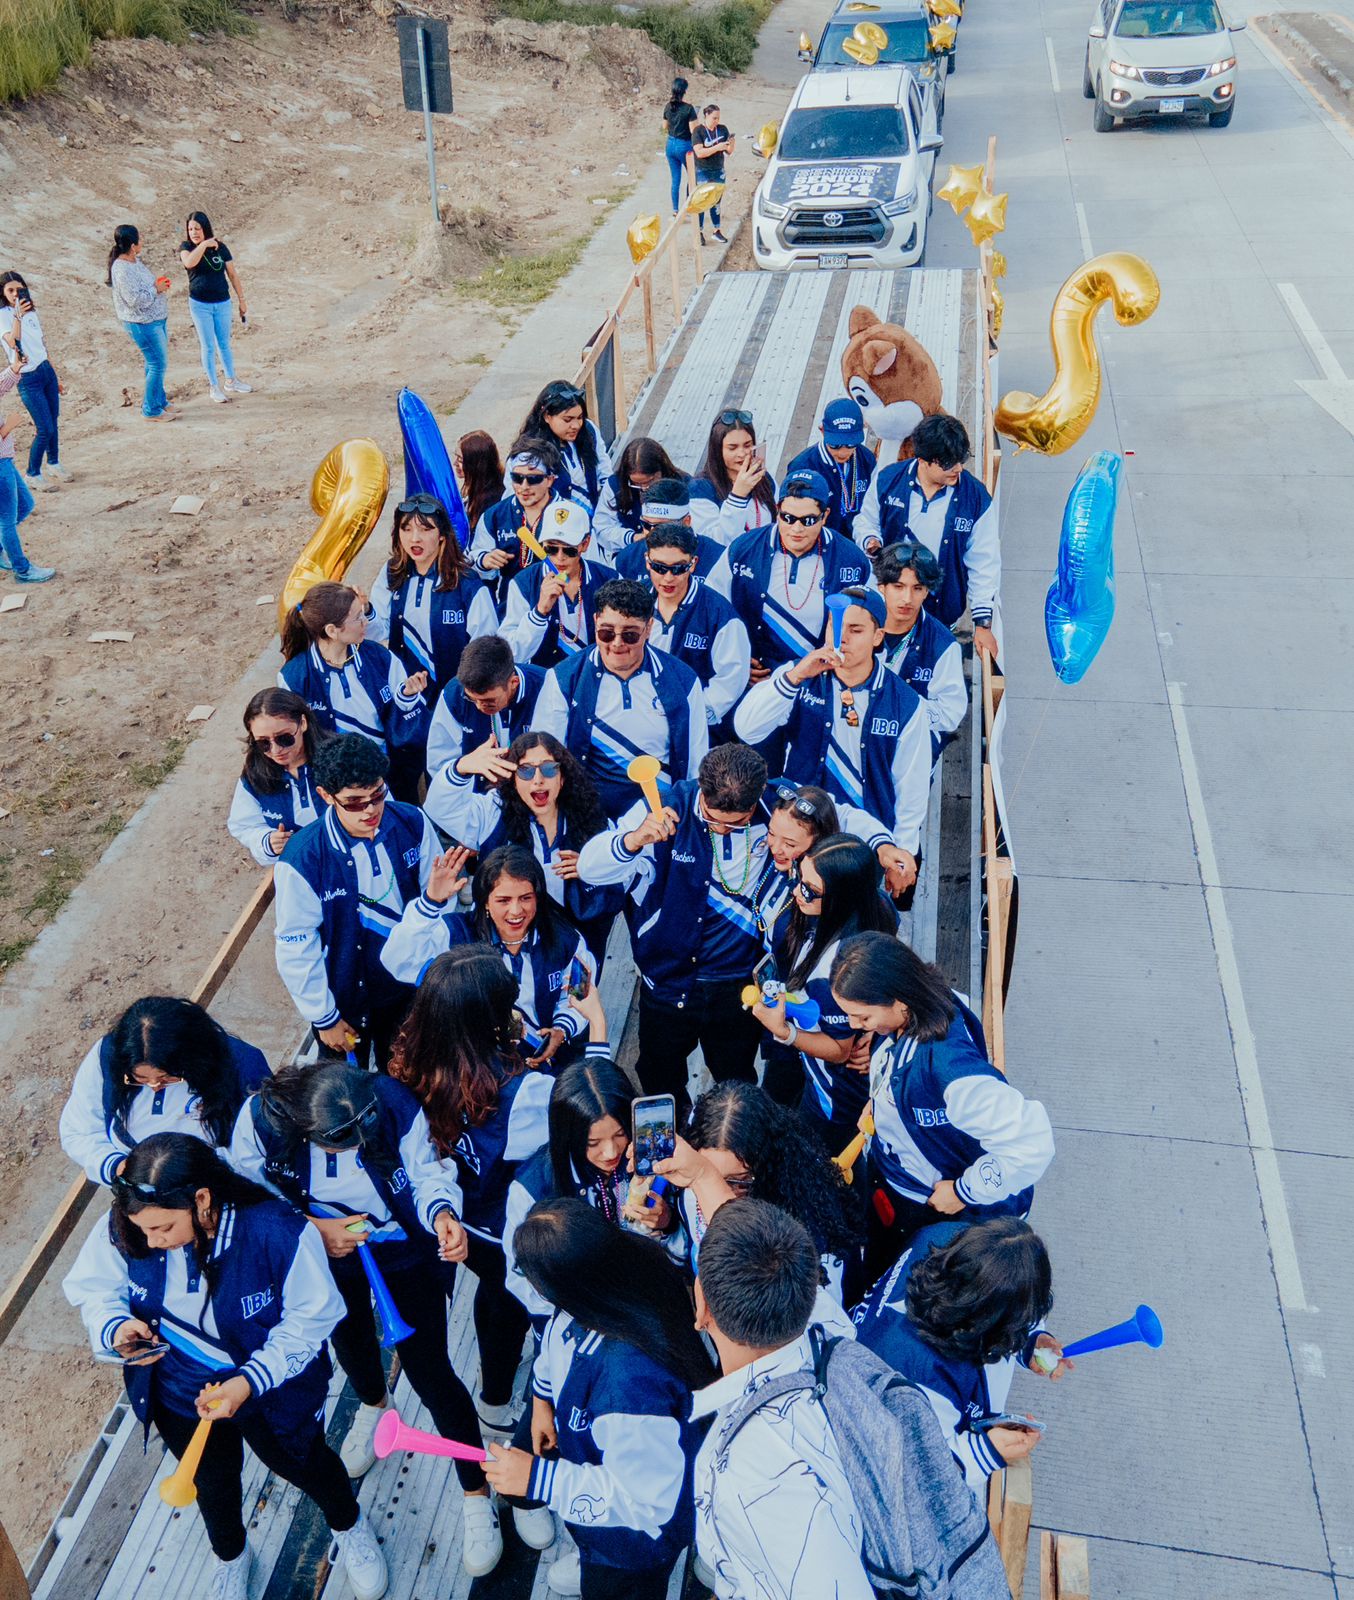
[781,362]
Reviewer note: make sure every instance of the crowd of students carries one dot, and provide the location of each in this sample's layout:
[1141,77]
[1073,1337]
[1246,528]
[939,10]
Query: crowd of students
[439,782]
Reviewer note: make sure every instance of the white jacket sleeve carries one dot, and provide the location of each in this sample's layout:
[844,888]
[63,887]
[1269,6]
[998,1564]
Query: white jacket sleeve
[529,1116]
[519,1203]
[865,529]
[862,824]
[482,544]
[299,949]
[482,617]
[429,848]
[97,1287]
[720,577]
[974,1453]
[435,1186]
[604,858]
[312,1308]
[396,677]
[249,826]
[766,706]
[420,934]
[82,1130]
[446,736]
[605,465]
[1015,1133]
[609,533]
[523,626]
[454,806]
[912,781]
[731,657]
[947,693]
[245,1153]
[697,735]
[636,1484]
[982,561]
[378,622]
[552,709]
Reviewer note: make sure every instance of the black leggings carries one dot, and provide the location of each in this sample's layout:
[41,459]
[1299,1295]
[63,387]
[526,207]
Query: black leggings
[320,1474]
[420,1293]
[501,1322]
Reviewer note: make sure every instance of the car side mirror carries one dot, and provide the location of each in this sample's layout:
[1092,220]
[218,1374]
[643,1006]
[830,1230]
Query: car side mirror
[806,55]
[1097,32]
[930,141]
[1236,27]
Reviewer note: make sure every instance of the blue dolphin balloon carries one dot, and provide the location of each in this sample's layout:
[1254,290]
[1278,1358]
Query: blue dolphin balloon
[1080,603]
[427,466]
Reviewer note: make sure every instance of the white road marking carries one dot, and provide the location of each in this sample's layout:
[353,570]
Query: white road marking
[1273,1201]
[1085,232]
[1052,65]
[1312,336]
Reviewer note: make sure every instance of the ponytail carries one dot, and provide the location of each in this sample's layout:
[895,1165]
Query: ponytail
[324,603]
[679,88]
[124,237]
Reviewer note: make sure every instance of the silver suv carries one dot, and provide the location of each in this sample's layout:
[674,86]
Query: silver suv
[1160,58]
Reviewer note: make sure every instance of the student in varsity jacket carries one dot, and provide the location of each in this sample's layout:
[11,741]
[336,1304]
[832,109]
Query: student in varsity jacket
[934,499]
[497,554]
[956,1315]
[843,461]
[515,916]
[622,699]
[351,1151]
[238,1285]
[549,615]
[733,484]
[274,796]
[693,622]
[664,503]
[857,728]
[560,413]
[548,805]
[164,1067]
[612,1443]
[492,700]
[342,885]
[693,871]
[917,646]
[619,516]
[778,577]
[952,1136]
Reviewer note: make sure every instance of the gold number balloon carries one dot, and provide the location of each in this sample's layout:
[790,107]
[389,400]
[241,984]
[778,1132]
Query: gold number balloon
[962,187]
[871,33]
[642,236]
[866,54]
[1055,420]
[347,493]
[942,37]
[987,216]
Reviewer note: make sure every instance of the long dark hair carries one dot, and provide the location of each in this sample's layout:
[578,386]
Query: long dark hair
[853,902]
[679,88]
[516,861]
[166,1171]
[204,222]
[552,400]
[261,772]
[718,474]
[457,1046]
[789,1168]
[579,803]
[878,969]
[642,455]
[612,1282]
[979,1296]
[583,1094]
[482,482]
[176,1037]
[124,237]
[299,1103]
[324,604]
[452,564]
[17,277]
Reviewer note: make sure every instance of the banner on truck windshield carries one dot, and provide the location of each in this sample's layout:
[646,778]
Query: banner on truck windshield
[857,180]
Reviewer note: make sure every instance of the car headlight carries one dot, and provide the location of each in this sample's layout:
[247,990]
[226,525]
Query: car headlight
[1219,67]
[1122,69]
[769,208]
[902,205]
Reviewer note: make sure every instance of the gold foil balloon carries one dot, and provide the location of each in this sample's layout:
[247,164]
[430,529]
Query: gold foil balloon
[944,8]
[863,5]
[962,187]
[942,37]
[703,196]
[998,264]
[866,54]
[998,311]
[986,217]
[642,236]
[805,45]
[767,139]
[871,33]
[1055,420]
[347,493]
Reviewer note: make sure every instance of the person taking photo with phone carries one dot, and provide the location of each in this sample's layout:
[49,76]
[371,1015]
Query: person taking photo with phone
[212,275]
[141,305]
[275,794]
[40,388]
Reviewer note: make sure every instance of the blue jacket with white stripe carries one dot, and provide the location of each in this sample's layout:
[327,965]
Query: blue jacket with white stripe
[750,557]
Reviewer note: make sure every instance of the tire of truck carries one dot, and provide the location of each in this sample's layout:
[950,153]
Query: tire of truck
[1087,87]
[1101,120]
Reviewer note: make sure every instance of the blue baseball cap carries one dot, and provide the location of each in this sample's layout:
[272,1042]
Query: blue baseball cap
[843,424]
[808,486]
[869,600]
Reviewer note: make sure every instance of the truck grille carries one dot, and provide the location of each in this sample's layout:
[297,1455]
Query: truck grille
[858,225]
[1172,78]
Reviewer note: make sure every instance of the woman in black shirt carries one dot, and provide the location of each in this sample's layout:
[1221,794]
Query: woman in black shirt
[678,115]
[211,275]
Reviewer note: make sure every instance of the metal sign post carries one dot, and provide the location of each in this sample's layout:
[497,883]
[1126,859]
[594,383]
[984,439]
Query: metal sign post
[425,71]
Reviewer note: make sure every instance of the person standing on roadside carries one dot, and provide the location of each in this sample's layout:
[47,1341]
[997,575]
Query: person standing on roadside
[141,304]
[39,387]
[678,115]
[711,141]
[15,500]
[211,276]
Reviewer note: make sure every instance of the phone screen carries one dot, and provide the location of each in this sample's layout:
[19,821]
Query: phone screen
[759,454]
[653,1131]
[579,983]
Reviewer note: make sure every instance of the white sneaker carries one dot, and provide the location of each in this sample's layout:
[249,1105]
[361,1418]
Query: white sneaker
[497,1419]
[358,1450]
[481,1537]
[232,1578]
[236,386]
[217,395]
[363,1560]
[565,1575]
[57,471]
[535,1526]
[36,482]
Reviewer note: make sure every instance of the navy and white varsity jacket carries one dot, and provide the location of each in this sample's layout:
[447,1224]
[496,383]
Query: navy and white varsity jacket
[428,627]
[97,1136]
[578,480]
[961,1392]
[497,530]
[890,780]
[958,526]
[274,1305]
[487,1157]
[629,559]
[726,519]
[708,634]
[331,928]
[614,531]
[943,1111]
[541,639]
[622,1481]
[458,727]
[363,696]
[929,661]
[848,481]
[254,816]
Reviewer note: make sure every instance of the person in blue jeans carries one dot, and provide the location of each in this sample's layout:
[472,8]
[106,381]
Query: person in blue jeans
[678,115]
[39,387]
[15,500]
[711,141]
[211,276]
[141,304]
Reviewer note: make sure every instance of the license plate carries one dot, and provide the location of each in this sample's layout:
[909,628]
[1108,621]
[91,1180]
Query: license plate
[1168,107]
[832,259]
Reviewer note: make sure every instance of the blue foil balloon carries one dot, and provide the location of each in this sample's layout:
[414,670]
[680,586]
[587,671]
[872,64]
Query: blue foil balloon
[1080,603]
[427,466]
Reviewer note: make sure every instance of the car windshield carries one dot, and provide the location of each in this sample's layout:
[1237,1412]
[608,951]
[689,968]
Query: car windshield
[1151,19]
[844,133]
[907,43]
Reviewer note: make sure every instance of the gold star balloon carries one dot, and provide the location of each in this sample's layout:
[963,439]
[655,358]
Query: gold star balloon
[944,8]
[987,216]
[962,187]
[998,264]
[942,37]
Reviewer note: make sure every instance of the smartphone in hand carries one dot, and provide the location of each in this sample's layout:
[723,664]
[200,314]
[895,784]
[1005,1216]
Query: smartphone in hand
[579,982]
[653,1131]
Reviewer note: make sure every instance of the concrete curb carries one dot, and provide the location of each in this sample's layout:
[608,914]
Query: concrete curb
[1302,46]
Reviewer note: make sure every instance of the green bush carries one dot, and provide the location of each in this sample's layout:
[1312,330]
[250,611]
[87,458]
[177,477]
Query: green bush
[721,38]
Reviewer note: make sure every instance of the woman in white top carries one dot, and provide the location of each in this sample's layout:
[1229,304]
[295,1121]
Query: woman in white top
[734,479]
[40,388]
[141,304]
[561,413]
[274,797]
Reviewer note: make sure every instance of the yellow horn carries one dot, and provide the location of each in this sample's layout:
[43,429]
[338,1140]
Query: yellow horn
[347,493]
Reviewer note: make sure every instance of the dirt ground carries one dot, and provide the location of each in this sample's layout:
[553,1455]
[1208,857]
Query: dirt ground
[295,143]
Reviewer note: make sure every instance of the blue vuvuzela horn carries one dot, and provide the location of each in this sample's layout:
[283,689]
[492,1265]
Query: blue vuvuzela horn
[1143,1327]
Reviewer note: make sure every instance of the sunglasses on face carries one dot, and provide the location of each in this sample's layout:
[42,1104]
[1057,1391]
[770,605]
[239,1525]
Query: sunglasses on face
[276,741]
[531,478]
[425,505]
[796,802]
[791,521]
[807,895]
[606,634]
[669,569]
[736,419]
[143,1191]
[742,1184]
[352,1130]
[366,803]
[529,769]
[557,550]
